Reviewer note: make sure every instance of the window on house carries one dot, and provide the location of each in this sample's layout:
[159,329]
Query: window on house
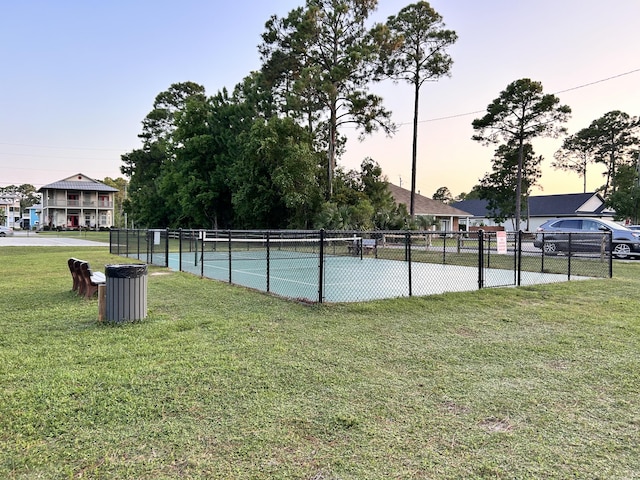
[73,199]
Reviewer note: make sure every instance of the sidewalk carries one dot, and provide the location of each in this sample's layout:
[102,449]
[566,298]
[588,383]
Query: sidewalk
[30,239]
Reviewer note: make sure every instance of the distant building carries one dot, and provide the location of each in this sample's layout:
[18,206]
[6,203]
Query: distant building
[540,209]
[31,218]
[448,216]
[10,210]
[77,201]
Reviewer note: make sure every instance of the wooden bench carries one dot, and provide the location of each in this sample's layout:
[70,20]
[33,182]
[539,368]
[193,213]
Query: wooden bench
[85,282]
[75,274]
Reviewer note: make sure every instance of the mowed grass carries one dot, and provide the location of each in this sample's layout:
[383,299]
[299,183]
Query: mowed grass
[220,382]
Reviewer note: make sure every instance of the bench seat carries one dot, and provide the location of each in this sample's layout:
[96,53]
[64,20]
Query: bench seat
[369,245]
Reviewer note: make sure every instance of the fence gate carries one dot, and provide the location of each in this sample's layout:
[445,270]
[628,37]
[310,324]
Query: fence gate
[499,255]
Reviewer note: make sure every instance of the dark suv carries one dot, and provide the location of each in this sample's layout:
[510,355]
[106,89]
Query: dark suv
[586,235]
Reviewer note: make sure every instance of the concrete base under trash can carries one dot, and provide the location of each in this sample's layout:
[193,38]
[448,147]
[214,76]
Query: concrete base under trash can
[126,292]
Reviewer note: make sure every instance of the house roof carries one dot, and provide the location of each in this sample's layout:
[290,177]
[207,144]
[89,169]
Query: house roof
[79,181]
[476,207]
[569,204]
[9,199]
[425,205]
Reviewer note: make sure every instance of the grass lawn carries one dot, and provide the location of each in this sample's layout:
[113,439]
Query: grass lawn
[221,382]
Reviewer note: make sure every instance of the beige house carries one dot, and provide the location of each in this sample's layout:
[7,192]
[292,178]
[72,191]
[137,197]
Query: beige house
[448,216]
[77,202]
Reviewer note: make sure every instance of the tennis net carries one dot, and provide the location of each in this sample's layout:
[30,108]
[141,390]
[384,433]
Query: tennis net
[266,248]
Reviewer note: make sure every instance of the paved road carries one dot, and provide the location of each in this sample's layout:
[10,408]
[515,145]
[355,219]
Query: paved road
[30,239]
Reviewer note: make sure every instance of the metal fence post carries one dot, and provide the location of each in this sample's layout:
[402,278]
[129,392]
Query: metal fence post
[610,235]
[480,259]
[180,250]
[230,252]
[543,255]
[203,235]
[519,257]
[444,248]
[321,267]
[166,250]
[408,255]
[268,262]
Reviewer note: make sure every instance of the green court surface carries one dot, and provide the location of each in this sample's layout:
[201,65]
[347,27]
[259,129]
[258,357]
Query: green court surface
[351,279]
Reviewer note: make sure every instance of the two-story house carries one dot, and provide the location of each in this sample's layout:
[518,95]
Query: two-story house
[9,210]
[77,201]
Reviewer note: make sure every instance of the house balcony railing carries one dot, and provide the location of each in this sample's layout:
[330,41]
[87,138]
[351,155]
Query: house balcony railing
[77,204]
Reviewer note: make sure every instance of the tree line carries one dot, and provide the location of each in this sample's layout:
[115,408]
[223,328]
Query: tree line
[523,112]
[610,141]
[265,154]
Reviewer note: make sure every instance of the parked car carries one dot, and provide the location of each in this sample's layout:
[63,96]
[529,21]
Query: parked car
[581,235]
[5,231]
[633,227]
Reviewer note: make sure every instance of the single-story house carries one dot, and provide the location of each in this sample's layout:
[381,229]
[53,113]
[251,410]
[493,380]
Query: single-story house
[77,201]
[448,216]
[540,209]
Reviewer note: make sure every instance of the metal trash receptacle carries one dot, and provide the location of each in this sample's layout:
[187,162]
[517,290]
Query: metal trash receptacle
[126,292]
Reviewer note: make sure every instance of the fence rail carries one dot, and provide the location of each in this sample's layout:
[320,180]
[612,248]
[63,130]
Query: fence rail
[347,266]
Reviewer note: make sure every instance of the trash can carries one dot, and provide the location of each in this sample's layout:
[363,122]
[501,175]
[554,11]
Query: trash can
[126,292]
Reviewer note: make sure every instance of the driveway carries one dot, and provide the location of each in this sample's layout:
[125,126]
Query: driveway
[30,239]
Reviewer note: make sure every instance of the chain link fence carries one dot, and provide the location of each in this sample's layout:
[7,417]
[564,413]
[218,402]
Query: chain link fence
[349,266]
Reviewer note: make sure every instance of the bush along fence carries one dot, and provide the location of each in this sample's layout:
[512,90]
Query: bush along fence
[348,266]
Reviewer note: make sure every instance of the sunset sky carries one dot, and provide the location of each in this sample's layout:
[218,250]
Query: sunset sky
[78,77]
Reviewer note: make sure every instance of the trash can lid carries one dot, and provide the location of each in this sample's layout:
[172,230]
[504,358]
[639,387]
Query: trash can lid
[132,270]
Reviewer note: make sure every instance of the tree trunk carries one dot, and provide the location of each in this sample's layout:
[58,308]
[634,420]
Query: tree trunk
[519,183]
[331,161]
[612,163]
[414,153]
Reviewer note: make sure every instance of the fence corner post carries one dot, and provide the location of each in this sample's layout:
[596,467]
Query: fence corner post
[480,259]
[321,266]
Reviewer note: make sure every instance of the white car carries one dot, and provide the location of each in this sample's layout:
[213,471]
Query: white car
[5,231]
